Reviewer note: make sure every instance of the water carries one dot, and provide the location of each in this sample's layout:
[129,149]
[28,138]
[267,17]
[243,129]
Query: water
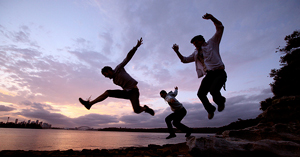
[50,139]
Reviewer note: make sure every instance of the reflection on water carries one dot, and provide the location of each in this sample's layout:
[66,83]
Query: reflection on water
[49,139]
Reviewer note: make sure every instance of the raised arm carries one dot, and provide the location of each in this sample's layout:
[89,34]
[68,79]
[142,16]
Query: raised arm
[212,18]
[219,27]
[130,53]
[174,94]
[176,91]
[176,49]
[182,58]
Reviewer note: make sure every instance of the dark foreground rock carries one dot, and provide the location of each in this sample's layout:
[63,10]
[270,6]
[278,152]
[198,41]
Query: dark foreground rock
[235,147]
[276,134]
[173,150]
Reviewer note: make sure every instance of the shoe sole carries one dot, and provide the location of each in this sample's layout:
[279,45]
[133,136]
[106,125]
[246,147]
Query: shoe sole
[220,109]
[170,137]
[213,114]
[149,110]
[83,103]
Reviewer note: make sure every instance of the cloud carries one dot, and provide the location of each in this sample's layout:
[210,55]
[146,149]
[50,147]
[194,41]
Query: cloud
[95,59]
[135,118]
[48,114]
[55,119]
[106,39]
[59,59]
[241,106]
[31,74]
[38,106]
[21,36]
[6,108]
[95,120]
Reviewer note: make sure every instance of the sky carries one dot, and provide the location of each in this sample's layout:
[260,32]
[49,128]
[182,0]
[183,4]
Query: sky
[52,53]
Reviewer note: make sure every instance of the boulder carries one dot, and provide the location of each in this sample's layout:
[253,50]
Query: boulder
[235,147]
[276,134]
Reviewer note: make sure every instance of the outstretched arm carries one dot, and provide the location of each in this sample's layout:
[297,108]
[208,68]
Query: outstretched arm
[219,27]
[174,94]
[176,91]
[131,53]
[176,49]
[212,18]
[182,58]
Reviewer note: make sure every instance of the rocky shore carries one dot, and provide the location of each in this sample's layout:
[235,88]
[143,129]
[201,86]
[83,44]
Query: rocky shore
[277,134]
[169,150]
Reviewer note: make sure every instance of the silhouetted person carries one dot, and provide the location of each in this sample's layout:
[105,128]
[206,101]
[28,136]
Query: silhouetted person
[178,114]
[208,62]
[121,78]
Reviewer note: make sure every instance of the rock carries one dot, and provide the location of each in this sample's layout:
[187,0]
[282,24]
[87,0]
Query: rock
[276,134]
[190,142]
[231,147]
[284,109]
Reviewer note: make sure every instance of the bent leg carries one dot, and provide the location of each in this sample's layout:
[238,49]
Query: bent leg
[217,85]
[203,91]
[100,98]
[88,104]
[110,93]
[134,98]
[134,95]
[179,115]
[168,121]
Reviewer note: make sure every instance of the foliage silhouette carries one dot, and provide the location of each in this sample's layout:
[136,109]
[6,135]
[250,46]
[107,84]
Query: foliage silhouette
[286,79]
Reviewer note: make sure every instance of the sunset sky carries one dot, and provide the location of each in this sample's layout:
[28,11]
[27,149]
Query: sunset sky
[52,53]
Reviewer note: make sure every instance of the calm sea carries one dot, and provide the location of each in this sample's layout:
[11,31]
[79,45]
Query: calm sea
[50,139]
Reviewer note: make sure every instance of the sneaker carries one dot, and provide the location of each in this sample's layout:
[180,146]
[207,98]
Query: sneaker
[221,106]
[188,134]
[149,110]
[212,113]
[86,104]
[171,136]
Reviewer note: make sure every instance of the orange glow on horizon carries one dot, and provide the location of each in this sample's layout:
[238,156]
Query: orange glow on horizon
[112,108]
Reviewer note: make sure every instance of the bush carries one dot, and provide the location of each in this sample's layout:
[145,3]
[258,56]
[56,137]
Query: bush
[286,79]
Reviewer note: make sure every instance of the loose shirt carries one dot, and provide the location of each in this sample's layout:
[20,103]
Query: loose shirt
[211,54]
[176,105]
[122,78]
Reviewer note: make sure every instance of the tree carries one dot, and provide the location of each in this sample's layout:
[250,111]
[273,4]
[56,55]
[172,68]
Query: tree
[287,78]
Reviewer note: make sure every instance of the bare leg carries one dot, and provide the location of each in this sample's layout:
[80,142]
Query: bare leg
[88,104]
[133,97]
[99,98]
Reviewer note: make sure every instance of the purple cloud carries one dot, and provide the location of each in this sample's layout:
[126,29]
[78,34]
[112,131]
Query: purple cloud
[4,108]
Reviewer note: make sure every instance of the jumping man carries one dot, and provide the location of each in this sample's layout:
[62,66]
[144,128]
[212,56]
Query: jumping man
[178,114]
[208,62]
[121,78]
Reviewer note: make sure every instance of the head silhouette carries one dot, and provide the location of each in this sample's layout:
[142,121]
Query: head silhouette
[198,41]
[107,71]
[163,93]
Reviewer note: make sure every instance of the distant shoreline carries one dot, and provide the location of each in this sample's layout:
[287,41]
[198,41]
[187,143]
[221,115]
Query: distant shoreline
[160,130]
[240,124]
[150,130]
